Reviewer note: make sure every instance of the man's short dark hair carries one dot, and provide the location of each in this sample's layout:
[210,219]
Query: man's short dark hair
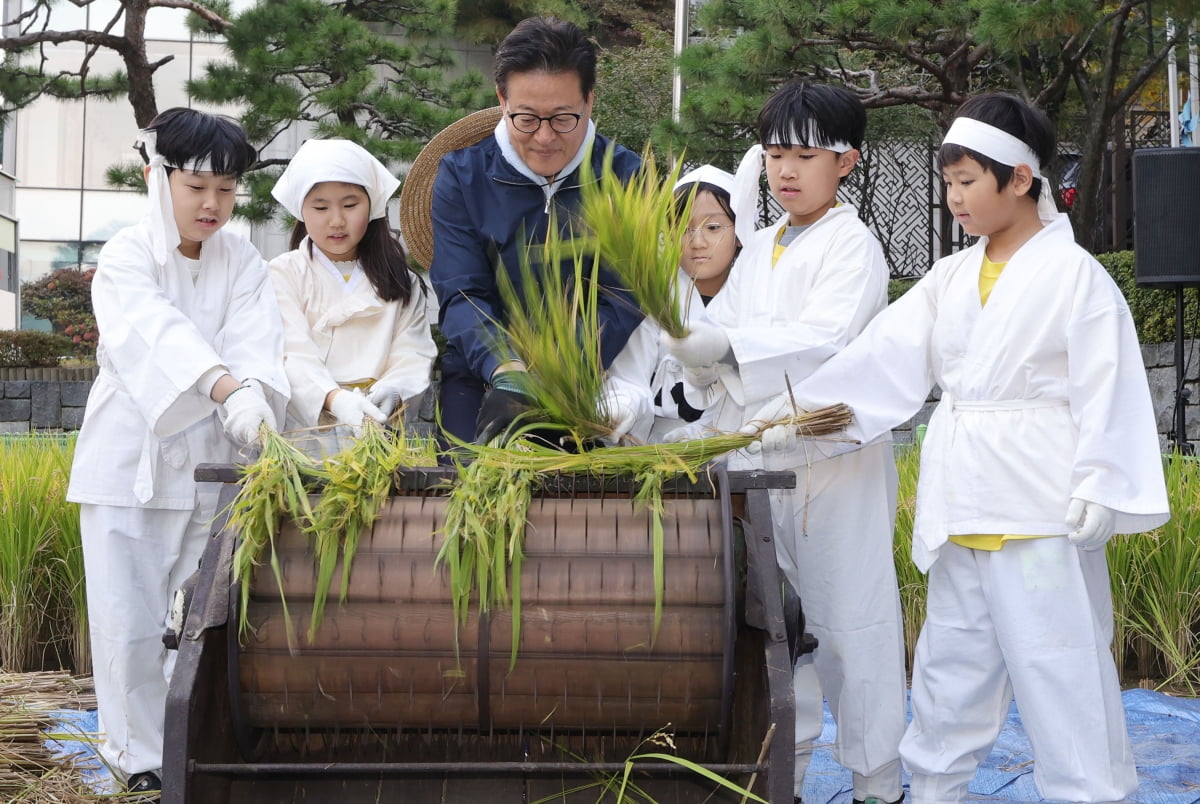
[547,45]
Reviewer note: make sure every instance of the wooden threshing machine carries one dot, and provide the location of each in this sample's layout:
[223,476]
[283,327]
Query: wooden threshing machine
[393,703]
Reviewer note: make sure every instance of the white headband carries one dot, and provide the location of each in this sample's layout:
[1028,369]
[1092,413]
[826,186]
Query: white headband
[812,139]
[164,234]
[746,180]
[319,161]
[997,144]
[706,174]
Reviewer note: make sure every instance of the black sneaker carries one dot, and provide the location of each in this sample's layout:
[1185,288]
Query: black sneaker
[144,782]
[874,800]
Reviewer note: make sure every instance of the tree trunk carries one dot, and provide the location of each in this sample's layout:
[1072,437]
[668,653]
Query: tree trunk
[137,65]
[1088,207]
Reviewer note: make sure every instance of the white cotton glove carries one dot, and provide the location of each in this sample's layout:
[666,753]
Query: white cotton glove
[703,346]
[1093,524]
[688,432]
[773,439]
[244,411]
[385,397]
[622,411]
[351,407]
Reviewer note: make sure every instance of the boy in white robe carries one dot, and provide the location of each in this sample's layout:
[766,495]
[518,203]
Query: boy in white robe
[801,290]
[358,343]
[191,366]
[1043,446]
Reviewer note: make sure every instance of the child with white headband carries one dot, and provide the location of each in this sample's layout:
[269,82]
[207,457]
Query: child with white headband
[191,366]
[358,340]
[801,289]
[1043,445]
[709,248]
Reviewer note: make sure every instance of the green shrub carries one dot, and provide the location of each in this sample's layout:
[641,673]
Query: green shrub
[1153,309]
[898,287]
[32,349]
[64,298]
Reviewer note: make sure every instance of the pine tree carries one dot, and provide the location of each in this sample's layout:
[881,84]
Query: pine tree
[930,54]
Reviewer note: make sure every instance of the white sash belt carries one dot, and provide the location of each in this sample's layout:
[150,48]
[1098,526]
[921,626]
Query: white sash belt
[930,530]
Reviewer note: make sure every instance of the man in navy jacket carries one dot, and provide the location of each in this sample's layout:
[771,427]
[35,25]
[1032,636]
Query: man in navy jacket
[493,198]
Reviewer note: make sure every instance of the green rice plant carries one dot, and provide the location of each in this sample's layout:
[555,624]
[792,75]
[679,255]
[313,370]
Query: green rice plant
[554,308]
[273,486]
[912,582]
[626,791]
[636,231]
[70,615]
[358,481]
[32,491]
[1160,572]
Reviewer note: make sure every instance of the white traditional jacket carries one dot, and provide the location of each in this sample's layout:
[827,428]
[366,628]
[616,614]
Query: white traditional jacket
[785,321]
[1044,394]
[147,425]
[340,333]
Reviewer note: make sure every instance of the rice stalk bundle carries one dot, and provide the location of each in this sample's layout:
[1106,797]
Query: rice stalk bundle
[358,481]
[484,530]
[29,770]
[32,490]
[637,232]
[557,306]
[273,486]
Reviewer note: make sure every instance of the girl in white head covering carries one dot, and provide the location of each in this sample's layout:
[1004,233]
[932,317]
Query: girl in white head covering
[710,247]
[358,340]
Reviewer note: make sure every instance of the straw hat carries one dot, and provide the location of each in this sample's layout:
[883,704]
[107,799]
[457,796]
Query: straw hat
[416,198]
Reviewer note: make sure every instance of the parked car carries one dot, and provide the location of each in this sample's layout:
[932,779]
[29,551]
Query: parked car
[1068,179]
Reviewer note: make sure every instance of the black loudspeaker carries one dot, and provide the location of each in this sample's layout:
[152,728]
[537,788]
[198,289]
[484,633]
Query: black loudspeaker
[1166,217]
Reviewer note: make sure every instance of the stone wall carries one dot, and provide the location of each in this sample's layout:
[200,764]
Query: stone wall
[43,399]
[54,399]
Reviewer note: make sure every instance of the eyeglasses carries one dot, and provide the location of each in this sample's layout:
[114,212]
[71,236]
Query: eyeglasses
[713,232]
[562,123]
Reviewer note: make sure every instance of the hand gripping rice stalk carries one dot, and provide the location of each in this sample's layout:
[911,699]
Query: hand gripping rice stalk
[273,486]
[359,479]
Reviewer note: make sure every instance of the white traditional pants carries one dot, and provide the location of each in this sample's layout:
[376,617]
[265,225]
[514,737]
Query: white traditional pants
[134,560]
[834,543]
[1032,620]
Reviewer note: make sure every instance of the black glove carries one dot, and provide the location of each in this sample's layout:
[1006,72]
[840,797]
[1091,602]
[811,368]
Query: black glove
[501,409]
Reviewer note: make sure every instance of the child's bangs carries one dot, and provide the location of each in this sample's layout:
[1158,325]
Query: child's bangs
[951,153]
[801,130]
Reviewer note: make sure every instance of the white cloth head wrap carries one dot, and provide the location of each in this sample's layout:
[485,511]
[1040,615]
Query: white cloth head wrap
[997,144]
[749,171]
[164,233]
[318,161]
[707,174]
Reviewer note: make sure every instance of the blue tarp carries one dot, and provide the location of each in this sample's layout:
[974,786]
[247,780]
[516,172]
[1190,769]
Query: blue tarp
[1166,746]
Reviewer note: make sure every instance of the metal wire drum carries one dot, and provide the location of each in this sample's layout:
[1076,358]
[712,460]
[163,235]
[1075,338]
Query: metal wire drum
[390,657]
